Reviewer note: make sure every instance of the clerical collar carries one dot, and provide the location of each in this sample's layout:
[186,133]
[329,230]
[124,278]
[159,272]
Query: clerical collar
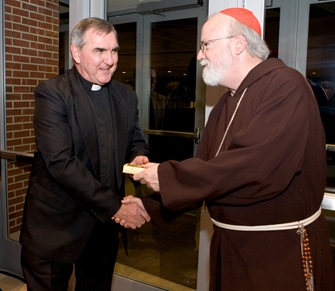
[95,87]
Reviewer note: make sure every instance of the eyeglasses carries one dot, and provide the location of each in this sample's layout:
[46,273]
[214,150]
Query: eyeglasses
[204,44]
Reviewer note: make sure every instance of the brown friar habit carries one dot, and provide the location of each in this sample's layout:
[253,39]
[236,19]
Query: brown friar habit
[271,169]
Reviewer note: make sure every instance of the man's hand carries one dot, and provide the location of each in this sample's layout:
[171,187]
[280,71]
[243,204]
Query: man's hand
[149,176]
[132,214]
[140,160]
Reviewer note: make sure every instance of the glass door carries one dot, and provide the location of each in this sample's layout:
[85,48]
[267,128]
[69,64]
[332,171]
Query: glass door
[157,58]
[320,71]
[316,59]
[12,173]
[301,32]
[306,42]
[16,136]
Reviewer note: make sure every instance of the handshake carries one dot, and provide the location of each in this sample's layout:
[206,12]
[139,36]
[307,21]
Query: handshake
[132,213]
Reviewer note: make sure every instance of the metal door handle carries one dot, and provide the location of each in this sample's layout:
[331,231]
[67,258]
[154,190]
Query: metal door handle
[330,147]
[16,156]
[183,134]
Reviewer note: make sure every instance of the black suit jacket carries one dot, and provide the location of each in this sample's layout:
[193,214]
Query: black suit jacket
[65,198]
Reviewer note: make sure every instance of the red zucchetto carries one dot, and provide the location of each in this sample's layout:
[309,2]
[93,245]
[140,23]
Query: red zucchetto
[244,16]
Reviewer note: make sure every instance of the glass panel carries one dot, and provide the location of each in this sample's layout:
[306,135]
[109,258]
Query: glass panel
[321,71]
[320,65]
[19,115]
[166,257]
[271,30]
[126,71]
[173,69]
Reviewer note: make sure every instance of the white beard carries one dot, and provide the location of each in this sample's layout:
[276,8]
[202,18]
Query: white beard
[210,74]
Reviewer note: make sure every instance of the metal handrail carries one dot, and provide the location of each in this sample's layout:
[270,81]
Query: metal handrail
[328,201]
[330,147]
[16,156]
[183,134]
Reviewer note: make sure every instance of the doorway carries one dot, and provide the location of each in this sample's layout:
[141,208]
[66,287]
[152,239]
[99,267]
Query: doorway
[157,58]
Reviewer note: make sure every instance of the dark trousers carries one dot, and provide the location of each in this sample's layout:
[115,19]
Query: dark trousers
[93,270]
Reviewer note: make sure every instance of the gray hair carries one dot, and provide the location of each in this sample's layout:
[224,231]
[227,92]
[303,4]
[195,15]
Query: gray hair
[256,45]
[78,33]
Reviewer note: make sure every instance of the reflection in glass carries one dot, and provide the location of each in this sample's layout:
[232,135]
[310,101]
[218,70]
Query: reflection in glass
[321,71]
[320,66]
[271,30]
[158,104]
[172,102]
[126,68]
[320,75]
[168,256]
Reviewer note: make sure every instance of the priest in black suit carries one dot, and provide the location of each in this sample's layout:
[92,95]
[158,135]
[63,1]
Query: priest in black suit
[86,127]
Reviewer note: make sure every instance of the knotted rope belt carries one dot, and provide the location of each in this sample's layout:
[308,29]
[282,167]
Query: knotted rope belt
[301,231]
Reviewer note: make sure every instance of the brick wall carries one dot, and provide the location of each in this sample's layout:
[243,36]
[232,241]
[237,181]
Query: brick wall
[31,55]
